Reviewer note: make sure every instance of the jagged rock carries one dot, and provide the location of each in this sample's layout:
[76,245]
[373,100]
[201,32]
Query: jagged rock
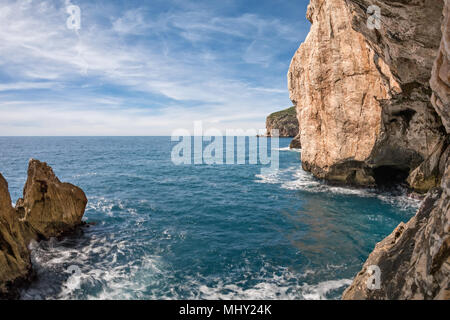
[363,95]
[295,143]
[415,259]
[429,173]
[440,76]
[49,208]
[284,121]
[15,264]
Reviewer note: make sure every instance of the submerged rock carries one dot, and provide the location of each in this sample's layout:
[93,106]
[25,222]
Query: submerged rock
[49,208]
[284,121]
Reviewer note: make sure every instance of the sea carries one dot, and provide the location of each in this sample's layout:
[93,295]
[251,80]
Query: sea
[159,230]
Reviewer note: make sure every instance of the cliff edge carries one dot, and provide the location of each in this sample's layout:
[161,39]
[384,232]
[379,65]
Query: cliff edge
[414,261]
[373,106]
[363,95]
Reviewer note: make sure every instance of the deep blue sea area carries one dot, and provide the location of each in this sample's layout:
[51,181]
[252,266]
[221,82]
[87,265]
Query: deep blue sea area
[163,231]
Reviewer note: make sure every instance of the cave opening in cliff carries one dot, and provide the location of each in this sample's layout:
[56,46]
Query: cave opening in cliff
[390,176]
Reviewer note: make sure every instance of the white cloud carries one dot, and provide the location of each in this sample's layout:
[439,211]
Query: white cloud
[39,52]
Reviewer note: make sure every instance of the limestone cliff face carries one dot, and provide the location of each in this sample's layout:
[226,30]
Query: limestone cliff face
[415,259]
[284,121]
[49,208]
[363,96]
[440,76]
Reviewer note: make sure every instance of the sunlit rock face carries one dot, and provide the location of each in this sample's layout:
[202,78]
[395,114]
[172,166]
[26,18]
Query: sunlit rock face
[49,206]
[363,95]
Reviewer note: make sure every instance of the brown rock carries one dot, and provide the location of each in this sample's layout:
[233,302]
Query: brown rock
[363,101]
[440,76]
[296,143]
[49,208]
[415,259]
[429,173]
[15,264]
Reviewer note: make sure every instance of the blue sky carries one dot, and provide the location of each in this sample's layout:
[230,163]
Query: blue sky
[145,67]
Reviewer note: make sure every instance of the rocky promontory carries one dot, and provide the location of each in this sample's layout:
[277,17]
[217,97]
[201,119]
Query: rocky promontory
[284,121]
[49,208]
[373,106]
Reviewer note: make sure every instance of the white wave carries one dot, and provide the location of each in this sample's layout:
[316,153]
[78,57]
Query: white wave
[320,291]
[295,178]
[289,149]
[284,286]
[149,277]
[87,174]
[106,206]
[98,266]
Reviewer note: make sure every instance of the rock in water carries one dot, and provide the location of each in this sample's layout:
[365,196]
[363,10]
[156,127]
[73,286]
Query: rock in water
[49,208]
[414,261]
[284,121]
[295,143]
[362,94]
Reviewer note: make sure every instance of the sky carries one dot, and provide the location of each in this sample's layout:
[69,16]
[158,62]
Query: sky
[143,68]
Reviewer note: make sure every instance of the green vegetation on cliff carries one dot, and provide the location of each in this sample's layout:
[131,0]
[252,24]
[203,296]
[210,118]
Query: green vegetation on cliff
[284,121]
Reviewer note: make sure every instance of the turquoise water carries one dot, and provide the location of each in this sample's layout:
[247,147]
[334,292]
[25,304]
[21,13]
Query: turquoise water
[199,232]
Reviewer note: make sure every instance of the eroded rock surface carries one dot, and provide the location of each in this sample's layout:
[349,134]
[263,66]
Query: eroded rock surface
[363,96]
[415,259]
[296,143]
[49,208]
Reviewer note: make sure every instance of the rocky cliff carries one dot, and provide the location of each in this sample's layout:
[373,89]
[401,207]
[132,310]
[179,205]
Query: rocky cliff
[284,121]
[363,95]
[414,260]
[373,107]
[49,208]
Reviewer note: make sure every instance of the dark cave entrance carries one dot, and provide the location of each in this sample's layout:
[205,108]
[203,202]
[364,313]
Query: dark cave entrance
[390,176]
